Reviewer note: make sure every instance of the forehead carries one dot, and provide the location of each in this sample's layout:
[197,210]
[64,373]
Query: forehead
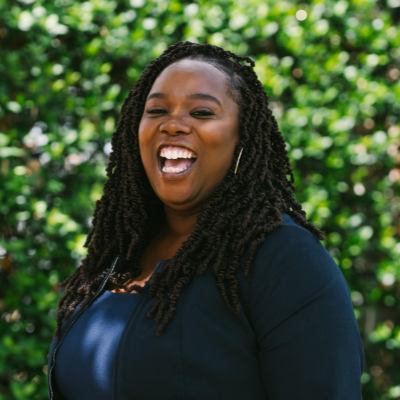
[190,76]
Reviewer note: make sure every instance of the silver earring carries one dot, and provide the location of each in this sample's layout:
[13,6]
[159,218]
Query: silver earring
[237,163]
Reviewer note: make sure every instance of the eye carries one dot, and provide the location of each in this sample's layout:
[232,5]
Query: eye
[202,113]
[156,111]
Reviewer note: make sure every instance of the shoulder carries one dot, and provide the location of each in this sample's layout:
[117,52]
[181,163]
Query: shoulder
[294,255]
[288,236]
[293,274]
[299,305]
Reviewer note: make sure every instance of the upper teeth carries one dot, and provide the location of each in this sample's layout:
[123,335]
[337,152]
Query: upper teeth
[176,153]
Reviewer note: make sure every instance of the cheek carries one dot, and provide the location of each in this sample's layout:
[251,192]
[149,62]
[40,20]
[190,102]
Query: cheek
[223,138]
[220,144]
[145,140]
[143,133]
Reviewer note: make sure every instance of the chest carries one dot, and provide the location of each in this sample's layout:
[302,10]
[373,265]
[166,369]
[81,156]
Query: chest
[206,351]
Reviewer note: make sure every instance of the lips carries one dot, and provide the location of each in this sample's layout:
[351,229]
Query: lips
[176,160]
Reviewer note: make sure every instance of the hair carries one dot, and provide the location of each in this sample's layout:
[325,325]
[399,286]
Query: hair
[243,210]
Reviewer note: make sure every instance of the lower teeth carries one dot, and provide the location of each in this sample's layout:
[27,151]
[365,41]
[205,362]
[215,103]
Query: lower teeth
[172,169]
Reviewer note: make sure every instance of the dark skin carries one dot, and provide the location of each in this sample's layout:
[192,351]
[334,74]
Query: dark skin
[188,106]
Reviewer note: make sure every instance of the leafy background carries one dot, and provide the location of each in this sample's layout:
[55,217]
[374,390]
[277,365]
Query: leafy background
[333,81]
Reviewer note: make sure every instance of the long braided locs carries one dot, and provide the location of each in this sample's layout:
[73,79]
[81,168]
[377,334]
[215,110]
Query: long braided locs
[244,208]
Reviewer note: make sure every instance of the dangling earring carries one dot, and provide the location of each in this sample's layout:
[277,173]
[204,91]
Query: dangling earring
[237,163]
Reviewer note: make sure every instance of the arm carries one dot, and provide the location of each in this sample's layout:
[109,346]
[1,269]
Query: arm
[309,344]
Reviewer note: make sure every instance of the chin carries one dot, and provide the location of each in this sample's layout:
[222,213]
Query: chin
[174,196]
[175,199]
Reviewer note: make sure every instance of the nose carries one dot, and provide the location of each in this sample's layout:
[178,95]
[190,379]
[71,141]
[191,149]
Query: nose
[175,126]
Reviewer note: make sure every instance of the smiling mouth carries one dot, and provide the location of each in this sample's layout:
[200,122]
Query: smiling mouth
[176,160]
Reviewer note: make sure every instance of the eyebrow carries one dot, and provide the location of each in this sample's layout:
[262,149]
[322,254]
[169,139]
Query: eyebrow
[201,96]
[157,96]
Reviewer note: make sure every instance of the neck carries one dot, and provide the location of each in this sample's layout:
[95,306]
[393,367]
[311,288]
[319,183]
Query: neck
[179,224]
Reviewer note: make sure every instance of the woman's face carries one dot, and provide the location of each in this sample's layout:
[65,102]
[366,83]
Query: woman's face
[188,133]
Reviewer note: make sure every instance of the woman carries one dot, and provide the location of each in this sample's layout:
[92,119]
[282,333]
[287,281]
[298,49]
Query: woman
[243,300]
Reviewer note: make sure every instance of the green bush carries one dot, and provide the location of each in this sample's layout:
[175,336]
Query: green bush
[332,74]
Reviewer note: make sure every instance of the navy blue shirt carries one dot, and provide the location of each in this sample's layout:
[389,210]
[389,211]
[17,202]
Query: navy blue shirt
[295,337]
[85,361]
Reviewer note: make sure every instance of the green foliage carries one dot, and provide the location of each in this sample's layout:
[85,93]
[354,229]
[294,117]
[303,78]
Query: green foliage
[333,81]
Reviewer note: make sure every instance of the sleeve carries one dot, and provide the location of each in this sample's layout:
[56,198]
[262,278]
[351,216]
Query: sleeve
[301,310]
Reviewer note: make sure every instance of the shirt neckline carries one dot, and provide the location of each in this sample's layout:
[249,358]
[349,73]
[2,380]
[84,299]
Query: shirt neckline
[145,284]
